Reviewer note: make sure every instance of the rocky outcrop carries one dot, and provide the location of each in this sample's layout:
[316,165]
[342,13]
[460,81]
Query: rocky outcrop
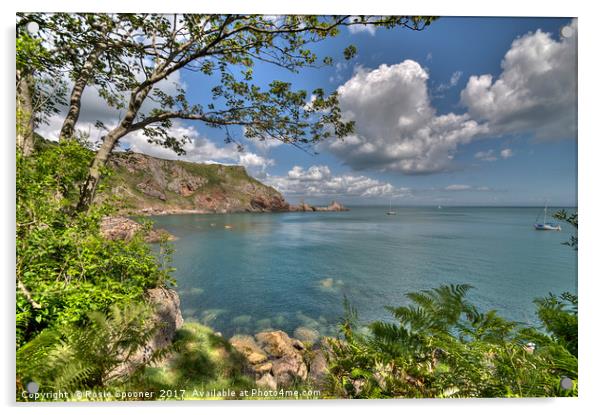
[276,360]
[166,319]
[124,229]
[147,185]
[167,316]
[332,207]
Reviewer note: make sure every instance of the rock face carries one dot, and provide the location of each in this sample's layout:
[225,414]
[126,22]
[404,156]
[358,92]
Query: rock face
[277,361]
[121,228]
[167,317]
[148,185]
[333,207]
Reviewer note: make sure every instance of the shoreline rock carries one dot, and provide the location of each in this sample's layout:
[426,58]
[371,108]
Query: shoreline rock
[276,360]
[122,228]
[334,206]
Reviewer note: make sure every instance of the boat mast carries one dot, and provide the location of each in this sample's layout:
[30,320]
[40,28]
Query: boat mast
[545,214]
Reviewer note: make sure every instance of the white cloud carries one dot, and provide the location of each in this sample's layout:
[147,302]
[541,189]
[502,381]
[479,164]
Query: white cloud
[453,81]
[199,150]
[536,91]
[318,181]
[466,187]
[361,28]
[314,173]
[506,153]
[485,155]
[397,128]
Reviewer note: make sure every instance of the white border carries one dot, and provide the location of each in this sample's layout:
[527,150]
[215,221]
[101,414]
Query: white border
[589,197]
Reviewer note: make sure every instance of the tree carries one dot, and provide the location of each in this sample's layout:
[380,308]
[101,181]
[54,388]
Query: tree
[127,57]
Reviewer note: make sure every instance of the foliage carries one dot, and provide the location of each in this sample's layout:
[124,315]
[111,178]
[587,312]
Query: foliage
[202,361]
[128,53]
[90,354]
[65,267]
[559,317]
[441,345]
[573,220]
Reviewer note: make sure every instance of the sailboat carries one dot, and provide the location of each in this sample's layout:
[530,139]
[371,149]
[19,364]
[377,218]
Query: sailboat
[391,211]
[545,225]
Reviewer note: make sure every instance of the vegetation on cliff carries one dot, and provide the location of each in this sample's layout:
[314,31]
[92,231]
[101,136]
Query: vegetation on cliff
[76,289]
[145,184]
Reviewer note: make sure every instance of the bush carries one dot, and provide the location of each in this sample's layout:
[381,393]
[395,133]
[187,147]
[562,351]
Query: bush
[67,273]
[443,346]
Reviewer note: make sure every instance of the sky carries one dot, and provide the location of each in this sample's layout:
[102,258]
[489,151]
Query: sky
[470,111]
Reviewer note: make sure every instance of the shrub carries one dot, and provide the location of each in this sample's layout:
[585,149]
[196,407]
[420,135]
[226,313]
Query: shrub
[441,345]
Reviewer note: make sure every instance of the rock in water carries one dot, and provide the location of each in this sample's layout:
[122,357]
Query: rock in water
[307,335]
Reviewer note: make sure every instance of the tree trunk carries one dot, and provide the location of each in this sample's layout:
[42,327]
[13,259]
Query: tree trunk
[88,190]
[68,128]
[25,113]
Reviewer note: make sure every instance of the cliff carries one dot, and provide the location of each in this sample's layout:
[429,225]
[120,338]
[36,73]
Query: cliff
[148,185]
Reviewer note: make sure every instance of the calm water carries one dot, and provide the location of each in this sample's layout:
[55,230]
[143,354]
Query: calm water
[283,271]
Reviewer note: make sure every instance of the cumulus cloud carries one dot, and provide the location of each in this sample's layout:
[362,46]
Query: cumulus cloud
[318,181]
[199,150]
[397,128]
[506,153]
[536,91]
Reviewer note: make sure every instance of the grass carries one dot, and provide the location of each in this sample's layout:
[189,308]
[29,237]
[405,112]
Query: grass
[202,362]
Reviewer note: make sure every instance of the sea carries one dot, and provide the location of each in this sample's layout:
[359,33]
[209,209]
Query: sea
[247,272]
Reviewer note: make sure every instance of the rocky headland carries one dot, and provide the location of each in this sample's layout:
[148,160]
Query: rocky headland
[145,185]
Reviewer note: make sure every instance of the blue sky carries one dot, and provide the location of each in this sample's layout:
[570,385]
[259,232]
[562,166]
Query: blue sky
[470,111]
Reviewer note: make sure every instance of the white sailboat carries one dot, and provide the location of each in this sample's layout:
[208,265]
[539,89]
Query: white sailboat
[391,211]
[545,225]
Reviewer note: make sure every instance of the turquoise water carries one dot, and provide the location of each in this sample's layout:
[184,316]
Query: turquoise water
[286,270]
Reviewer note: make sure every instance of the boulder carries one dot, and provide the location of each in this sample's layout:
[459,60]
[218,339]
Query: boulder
[318,368]
[267,381]
[246,346]
[276,343]
[168,315]
[289,368]
[306,335]
[167,318]
[151,190]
